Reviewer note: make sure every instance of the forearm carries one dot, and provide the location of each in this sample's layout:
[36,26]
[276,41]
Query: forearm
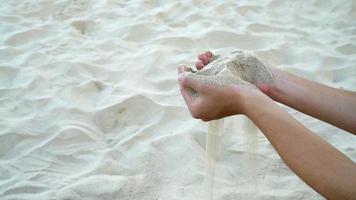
[335,106]
[316,162]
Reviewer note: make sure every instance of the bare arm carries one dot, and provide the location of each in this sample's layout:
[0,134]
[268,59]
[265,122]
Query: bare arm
[317,163]
[335,106]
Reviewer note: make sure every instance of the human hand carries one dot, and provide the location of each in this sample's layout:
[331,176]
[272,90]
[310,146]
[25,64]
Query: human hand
[250,65]
[207,100]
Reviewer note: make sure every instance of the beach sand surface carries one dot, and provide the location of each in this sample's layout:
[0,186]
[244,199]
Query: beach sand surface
[90,107]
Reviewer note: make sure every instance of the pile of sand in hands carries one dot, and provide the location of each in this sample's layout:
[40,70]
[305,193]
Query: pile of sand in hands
[236,68]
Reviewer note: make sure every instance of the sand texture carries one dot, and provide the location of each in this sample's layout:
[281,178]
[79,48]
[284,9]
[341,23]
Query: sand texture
[90,106]
[213,148]
[233,68]
[238,68]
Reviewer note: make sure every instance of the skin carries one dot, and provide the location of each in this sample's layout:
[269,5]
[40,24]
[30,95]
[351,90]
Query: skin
[317,163]
[335,106]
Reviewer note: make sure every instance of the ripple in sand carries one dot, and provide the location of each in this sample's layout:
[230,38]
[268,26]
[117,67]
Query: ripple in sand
[224,39]
[116,118]
[26,37]
[347,49]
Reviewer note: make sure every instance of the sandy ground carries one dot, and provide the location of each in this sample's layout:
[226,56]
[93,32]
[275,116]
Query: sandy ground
[90,106]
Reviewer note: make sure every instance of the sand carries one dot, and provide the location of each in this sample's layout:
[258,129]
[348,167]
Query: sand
[237,68]
[90,107]
[233,68]
[213,147]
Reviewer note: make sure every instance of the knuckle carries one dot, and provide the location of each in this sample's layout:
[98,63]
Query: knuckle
[196,114]
[205,119]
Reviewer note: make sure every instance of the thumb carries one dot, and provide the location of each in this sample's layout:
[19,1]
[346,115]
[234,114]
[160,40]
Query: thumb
[190,80]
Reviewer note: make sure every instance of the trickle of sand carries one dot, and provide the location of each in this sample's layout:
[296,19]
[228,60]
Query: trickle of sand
[213,144]
[213,148]
[250,133]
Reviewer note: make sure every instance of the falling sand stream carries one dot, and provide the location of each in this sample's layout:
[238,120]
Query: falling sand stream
[213,148]
[213,141]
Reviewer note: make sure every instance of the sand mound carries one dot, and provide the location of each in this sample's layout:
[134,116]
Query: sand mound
[235,68]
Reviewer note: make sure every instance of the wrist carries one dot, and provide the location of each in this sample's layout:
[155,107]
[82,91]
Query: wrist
[255,104]
[247,99]
[274,88]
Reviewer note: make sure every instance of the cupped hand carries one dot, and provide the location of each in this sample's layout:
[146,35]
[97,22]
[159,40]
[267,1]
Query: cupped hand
[209,102]
[266,87]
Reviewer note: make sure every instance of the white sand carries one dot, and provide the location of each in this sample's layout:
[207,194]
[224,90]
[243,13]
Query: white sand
[233,68]
[236,68]
[90,106]
[213,148]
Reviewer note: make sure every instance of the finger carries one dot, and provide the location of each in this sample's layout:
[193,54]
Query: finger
[204,58]
[199,65]
[190,96]
[209,54]
[187,98]
[200,56]
[189,80]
